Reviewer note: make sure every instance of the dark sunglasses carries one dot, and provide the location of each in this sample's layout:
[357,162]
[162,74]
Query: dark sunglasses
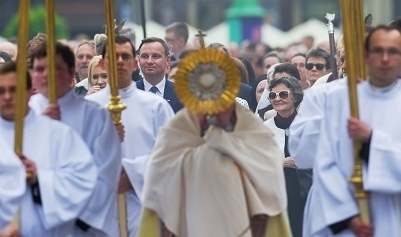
[319,66]
[282,94]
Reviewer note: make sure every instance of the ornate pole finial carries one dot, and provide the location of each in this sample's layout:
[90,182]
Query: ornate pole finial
[330,18]
[201,36]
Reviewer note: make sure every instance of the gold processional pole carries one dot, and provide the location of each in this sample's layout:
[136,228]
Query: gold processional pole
[23,34]
[354,35]
[50,51]
[115,106]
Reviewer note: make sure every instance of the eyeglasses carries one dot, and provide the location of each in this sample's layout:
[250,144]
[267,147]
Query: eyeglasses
[319,66]
[379,52]
[284,95]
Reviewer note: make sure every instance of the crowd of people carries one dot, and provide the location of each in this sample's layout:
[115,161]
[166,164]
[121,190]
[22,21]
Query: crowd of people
[276,162]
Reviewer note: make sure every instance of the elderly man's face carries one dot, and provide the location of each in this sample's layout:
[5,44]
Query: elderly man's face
[82,58]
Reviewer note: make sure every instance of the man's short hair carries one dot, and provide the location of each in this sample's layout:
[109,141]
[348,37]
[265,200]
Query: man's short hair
[319,53]
[11,66]
[299,54]
[180,29]
[129,31]
[61,49]
[386,28]
[287,68]
[88,42]
[155,39]
[273,54]
[39,39]
[119,39]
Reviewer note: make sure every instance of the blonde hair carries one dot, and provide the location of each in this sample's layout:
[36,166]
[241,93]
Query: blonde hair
[92,64]
[340,44]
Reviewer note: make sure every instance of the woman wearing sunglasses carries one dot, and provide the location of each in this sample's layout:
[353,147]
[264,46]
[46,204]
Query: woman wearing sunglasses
[285,95]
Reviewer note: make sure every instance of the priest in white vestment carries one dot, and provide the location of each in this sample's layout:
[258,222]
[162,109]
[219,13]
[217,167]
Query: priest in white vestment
[62,169]
[94,125]
[213,185]
[145,114]
[379,134]
[215,169]
[12,183]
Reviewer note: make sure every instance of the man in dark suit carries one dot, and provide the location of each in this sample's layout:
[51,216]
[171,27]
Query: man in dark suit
[154,61]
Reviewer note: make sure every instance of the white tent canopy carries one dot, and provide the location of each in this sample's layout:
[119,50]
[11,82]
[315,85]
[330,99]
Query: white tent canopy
[270,34]
[276,37]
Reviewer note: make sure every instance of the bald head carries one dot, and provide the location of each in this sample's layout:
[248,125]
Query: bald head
[10,48]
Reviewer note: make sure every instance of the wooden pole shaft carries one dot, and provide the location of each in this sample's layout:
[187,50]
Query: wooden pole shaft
[50,52]
[353,28]
[20,110]
[115,105]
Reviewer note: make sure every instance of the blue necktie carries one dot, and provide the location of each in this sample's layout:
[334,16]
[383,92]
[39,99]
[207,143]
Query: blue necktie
[154,89]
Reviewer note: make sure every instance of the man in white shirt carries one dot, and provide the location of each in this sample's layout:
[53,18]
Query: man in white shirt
[92,122]
[142,119]
[339,213]
[12,183]
[62,170]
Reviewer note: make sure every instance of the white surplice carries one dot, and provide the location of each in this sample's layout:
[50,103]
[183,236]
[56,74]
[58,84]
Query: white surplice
[304,131]
[303,141]
[66,175]
[12,183]
[94,124]
[334,161]
[142,119]
[278,135]
[322,80]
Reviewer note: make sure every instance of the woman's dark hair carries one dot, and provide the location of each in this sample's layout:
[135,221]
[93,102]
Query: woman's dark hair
[242,70]
[293,84]
[249,69]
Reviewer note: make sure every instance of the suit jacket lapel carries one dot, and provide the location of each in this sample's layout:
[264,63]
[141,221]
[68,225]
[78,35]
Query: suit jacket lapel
[140,85]
[168,90]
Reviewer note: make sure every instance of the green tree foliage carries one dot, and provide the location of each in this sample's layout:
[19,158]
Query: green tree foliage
[37,23]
